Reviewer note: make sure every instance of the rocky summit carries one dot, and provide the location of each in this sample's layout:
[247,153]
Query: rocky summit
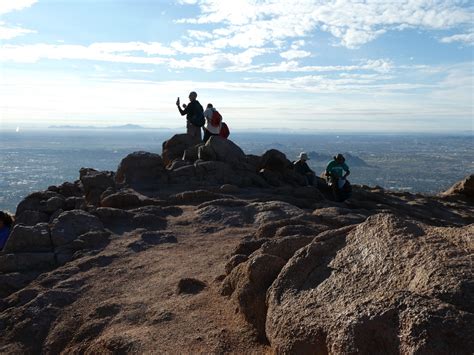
[204,249]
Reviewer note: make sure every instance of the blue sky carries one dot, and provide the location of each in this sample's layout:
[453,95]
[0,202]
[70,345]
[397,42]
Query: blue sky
[266,65]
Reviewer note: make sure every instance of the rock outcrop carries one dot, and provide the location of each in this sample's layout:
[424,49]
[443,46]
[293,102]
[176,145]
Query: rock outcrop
[464,188]
[233,253]
[388,286]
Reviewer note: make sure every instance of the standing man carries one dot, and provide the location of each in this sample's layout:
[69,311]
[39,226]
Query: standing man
[191,110]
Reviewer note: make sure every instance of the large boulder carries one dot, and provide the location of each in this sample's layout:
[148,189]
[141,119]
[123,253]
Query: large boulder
[30,218]
[71,224]
[275,161]
[387,286]
[174,147]
[95,183]
[141,169]
[127,198]
[215,172]
[191,154]
[463,188]
[29,239]
[69,189]
[247,284]
[38,201]
[225,150]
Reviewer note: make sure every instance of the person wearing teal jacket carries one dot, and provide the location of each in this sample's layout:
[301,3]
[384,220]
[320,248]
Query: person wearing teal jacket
[337,171]
[337,168]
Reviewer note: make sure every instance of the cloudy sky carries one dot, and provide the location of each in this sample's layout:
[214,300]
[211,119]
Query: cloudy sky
[351,65]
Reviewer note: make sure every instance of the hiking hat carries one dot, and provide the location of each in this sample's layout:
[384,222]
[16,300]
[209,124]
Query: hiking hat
[303,156]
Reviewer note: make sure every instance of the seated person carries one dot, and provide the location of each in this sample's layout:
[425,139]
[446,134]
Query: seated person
[213,122]
[301,167]
[6,222]
[337,171]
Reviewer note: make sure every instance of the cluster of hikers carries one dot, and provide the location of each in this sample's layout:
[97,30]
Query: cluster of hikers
[209,120]
[336,174]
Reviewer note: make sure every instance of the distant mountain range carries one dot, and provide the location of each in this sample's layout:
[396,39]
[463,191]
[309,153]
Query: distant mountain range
[351,160]
[125,126]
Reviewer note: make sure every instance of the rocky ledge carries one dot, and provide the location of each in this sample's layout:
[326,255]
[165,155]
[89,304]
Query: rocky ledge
[206,249]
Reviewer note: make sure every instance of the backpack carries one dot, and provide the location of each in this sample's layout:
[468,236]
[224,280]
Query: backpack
[224,133]
[198,119]
[216,119]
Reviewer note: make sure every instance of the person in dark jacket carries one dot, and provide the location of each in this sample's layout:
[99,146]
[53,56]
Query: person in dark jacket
[6,222]
[301,167]
[191,110]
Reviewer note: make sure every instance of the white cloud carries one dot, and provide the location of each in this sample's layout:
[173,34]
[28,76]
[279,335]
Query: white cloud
[247,23]
[377,65]
[6,31]
[133,52]
[294,53]
[467,38]
[12,32]
[7,6]
[317,99]
[112,52]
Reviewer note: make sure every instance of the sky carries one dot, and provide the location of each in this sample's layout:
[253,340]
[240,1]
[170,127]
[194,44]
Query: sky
[266,65]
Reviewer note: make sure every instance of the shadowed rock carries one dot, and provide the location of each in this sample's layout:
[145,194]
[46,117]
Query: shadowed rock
[71,224]
[141,170]
[127,198]
[190,286]
[29,239]
[174,147]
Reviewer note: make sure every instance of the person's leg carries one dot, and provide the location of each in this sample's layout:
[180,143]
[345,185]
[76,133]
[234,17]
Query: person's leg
[192,130]
[310,178]
[207,135]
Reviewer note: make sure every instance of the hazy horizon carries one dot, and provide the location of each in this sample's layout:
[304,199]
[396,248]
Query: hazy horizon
[263,130]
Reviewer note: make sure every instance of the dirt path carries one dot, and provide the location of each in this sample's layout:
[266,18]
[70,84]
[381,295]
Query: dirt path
[128,299]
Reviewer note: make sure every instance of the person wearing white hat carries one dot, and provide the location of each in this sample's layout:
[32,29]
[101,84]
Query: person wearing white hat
[302,168]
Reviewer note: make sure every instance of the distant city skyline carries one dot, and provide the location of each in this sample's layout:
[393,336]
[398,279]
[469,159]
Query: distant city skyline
[358,66]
